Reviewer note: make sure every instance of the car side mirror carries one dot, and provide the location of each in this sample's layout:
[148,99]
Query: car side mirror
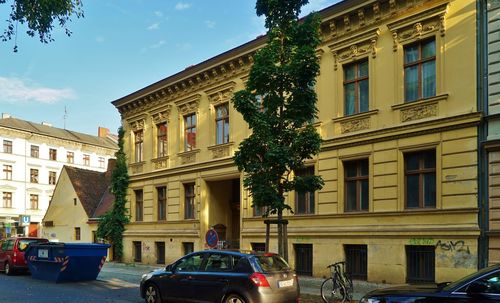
[168,267]
[476,288]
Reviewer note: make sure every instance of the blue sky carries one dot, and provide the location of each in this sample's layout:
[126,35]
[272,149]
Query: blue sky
[119,47]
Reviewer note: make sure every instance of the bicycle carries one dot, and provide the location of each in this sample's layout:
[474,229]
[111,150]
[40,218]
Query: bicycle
[338,287]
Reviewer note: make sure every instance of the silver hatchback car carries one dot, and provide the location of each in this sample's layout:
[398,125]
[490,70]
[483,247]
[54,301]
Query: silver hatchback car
[223,276]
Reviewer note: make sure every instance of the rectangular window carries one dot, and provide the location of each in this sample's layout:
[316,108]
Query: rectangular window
[137,251]
[33,201]
[160,252]
[138,145]
[303,259]
[258,246]
[420,70]
[78,235]
[356,185]
[420,179]
[53,154]
[52,177]
[188,247]
[190,132]
[162,203]
[102,162]
[420,264]
[304,201]
[139,205]
[70,157]
[162,140]
[33,175]
[189,196]
[7,199]
[356,261]
[7,172]
[35,151]
[356,88]
[222,123]
[7,146]
[258,211]
[86,160]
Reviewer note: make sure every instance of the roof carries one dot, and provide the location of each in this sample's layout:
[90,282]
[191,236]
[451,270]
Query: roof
[55,132]
[92,189]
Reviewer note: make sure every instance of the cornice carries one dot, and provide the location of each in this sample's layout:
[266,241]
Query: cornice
[189,104]
[222,93]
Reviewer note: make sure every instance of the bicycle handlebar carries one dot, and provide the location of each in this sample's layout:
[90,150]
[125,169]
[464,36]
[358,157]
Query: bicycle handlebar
[336,264]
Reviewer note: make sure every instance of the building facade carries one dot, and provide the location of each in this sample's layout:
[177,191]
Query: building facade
[489,93]
[32,156]
[80,197]
[399,157]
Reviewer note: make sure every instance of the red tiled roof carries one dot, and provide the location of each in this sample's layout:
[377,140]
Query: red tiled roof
[92,189]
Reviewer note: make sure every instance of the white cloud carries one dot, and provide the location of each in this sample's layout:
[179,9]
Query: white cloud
[158,44]
[182,6]
[183,46]
[210,24]
[158,14]
[154,26]
[99,39]
[17,90]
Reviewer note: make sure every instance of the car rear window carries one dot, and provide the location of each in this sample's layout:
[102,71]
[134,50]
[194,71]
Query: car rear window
[272,263]
[22,245]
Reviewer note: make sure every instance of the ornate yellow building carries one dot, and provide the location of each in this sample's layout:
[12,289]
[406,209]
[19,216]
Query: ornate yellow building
[398,115]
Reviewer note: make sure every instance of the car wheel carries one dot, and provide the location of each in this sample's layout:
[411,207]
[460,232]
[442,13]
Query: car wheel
[152,294]
[7,269]
[234,298]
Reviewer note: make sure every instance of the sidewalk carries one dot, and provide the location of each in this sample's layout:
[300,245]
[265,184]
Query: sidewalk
[309,286]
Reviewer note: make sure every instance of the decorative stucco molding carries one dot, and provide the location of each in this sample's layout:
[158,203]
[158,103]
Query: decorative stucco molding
[355,47]
[420,25]
[221,94]
[419,112]
[160,163]
[354,125]
[161,114]
[137,124]
[221,150]
[189,104]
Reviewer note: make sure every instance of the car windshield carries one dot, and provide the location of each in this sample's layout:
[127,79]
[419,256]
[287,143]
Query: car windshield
[272,263]
[22,245]
[457,283]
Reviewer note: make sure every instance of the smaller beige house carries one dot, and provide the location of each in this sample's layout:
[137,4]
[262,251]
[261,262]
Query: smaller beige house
[80,197]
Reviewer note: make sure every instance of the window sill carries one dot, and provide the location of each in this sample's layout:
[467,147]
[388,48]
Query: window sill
[356,116]
[419,102]
[188,157]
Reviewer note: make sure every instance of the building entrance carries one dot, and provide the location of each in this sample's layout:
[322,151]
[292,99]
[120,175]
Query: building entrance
[224,211]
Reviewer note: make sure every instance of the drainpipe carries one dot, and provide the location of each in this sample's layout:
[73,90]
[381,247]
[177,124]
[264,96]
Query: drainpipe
[482,105]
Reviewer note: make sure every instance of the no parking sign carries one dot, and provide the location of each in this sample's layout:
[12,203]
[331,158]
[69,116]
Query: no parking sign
[212,238]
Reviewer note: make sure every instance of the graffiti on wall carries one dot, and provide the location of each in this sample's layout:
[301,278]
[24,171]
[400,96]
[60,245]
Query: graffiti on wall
[449,253]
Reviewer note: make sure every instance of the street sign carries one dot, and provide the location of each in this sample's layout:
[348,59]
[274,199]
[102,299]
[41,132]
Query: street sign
[24,220]
[212,238]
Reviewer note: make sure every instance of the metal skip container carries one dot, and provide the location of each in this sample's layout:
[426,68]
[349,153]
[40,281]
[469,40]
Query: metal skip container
[66,262]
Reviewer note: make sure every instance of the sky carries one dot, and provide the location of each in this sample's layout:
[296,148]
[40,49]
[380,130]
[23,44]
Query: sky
[119,47]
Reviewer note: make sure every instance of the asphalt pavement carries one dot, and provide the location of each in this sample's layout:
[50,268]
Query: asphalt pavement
[130,274]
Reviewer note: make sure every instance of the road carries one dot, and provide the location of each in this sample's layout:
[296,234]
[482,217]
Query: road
[115,284]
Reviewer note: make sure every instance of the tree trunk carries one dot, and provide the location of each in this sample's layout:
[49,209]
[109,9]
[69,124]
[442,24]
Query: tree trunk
[281,247]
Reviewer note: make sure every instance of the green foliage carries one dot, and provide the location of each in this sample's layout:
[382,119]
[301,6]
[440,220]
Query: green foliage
[112,224]
[39,17]
[278,103]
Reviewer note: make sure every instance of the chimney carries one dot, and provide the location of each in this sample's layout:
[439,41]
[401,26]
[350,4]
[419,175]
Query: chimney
[5,116]
[102,132]
[46,124]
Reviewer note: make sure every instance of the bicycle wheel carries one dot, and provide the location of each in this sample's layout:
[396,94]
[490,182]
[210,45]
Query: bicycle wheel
[332,291]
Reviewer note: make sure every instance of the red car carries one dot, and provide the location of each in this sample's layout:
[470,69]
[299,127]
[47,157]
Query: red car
[12,253]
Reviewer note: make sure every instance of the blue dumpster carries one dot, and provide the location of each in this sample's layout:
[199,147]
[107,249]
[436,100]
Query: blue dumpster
[63,262]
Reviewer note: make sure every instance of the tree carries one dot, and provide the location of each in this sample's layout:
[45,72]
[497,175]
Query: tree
[40,16]
[112,224]
[279,103]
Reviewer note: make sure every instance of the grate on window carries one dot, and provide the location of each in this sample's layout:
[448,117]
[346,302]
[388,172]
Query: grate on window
[420,264]
[303,259]
[356,261]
